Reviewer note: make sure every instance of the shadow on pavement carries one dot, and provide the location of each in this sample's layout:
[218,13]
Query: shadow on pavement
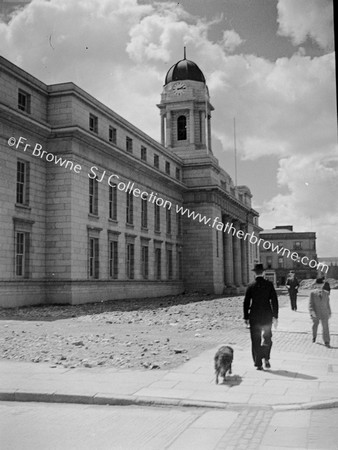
[287,373]
[232,380]
[330,348]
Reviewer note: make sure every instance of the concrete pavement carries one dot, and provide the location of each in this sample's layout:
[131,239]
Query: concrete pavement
[41,426]
[303,375]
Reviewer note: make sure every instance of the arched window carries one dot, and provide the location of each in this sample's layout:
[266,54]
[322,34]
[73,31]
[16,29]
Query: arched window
[181,128]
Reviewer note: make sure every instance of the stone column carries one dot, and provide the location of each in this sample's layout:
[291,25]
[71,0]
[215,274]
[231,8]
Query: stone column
[168,129]
[162,129]
[228,256]
[192,126]
[237,257]
[244,254]
[209,132]
[203,127]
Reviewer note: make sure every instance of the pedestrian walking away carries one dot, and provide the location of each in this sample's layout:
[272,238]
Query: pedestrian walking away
[320,310]
[292,285]
[260,312]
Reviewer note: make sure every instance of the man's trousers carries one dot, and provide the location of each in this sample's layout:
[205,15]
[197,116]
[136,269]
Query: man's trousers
[325,326]
[261,342]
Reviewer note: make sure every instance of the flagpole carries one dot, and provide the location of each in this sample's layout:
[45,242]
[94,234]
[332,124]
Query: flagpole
[235,151]
[206,119]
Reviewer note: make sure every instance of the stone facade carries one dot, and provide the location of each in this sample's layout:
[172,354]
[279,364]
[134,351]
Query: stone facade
[89,203]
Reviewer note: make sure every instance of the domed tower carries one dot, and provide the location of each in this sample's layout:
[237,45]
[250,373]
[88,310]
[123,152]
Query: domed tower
[185,110]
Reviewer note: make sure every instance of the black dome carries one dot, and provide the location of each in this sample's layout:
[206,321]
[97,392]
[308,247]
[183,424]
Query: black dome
[184,70]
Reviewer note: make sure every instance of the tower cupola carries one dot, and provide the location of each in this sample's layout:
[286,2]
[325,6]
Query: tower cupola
[184,70]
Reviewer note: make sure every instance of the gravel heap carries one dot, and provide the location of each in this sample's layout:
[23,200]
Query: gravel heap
[309,284]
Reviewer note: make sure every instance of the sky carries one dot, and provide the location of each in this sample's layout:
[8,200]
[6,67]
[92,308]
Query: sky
[270,64]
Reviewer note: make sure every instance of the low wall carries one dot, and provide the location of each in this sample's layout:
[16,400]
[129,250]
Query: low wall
[24,293]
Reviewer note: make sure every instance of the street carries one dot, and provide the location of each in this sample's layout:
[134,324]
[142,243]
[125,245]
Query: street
[42,426]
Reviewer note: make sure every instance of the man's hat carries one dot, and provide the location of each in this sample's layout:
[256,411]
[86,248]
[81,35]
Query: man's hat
[258,268]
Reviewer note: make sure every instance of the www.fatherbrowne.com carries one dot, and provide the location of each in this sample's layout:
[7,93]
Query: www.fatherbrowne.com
[253,239]
[112,181]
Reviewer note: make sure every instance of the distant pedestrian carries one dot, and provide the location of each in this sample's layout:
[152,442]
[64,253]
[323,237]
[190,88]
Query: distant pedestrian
[292,285]
[260,311]
[320,310]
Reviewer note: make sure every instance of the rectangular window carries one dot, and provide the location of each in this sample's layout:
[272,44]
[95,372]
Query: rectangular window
[167,167]
[157,263]
[130,261]
[178,173]
[144,213]
[112,135]
[217,244]
[269,262]
[180,265]
[24,101]
[156,161]
[130,208]
[280,263]
[22,254]
[113,260]
[157,217]
[297,245]
[168,221]
[129,144]
[22,183]
[93,123]
[145,261]
[93,258]
[169,264]
[143,153]
[93,196]
[113,202]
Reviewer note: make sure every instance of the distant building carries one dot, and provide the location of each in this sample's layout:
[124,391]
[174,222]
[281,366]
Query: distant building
[90,205]
[303,243]
[332,263]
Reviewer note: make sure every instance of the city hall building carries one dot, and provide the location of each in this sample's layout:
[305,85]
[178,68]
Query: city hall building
[93,209]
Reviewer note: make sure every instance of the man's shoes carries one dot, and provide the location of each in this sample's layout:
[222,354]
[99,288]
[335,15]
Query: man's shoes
[313,340]
[267,364]
[327,345]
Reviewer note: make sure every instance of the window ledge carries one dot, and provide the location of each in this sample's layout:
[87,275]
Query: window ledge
[20,206]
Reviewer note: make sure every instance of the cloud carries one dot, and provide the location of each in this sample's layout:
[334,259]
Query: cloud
[119,51]
[311,202]
[307,18]
[231,40]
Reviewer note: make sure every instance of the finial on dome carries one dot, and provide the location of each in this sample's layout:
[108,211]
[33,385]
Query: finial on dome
[185,56]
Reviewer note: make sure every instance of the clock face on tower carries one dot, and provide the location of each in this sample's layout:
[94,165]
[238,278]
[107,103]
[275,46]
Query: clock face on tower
[179,88]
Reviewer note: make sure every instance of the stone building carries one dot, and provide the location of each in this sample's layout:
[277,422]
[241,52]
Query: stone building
[332,263]
[303,243]
[93,209]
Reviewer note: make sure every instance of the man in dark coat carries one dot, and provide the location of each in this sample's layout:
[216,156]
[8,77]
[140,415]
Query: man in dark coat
[260,310]
[292,285]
